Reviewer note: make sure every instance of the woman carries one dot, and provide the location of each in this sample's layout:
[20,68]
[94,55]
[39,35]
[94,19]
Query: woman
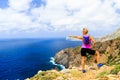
[88,43]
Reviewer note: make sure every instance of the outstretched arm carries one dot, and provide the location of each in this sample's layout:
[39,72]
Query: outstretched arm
[78,37]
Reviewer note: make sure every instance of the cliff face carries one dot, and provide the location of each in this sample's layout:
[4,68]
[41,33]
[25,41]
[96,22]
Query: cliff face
[110,51]
[109,48]
[114,35]
[69,56]
[109,54]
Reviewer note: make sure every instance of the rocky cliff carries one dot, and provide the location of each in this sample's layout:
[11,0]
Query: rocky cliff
[69,56]
[109,48]
[113,35]
[109,54]
[104,73]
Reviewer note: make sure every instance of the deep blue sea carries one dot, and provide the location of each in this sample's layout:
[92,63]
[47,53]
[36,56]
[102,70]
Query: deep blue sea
[23,58]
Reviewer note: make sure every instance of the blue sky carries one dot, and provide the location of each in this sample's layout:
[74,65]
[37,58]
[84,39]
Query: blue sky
[57,18]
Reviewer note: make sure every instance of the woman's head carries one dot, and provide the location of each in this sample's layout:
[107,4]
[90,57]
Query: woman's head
[85,31]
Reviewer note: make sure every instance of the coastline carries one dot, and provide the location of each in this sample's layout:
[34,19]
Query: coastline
[59,66]
[110,71]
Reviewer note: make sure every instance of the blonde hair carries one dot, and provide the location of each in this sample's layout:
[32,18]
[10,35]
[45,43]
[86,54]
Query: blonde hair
[86,30]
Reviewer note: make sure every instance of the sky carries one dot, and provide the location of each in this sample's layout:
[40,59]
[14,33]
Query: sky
[57,18]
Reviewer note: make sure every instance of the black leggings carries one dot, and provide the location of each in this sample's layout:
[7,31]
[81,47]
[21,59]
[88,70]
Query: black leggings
[89,51]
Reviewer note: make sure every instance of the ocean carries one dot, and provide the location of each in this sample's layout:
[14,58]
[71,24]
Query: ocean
[23,58]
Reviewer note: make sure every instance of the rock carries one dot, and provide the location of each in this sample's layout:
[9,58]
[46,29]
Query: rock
[118,74]
[65,71]
[39,71]
[27,79]
[113,77]
[114,35]
[59,78]
[70,66]
[68,57]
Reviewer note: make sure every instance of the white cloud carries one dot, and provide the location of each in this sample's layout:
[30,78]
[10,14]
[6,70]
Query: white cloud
[117,3]
[19,5]
[60,15]
[91,13]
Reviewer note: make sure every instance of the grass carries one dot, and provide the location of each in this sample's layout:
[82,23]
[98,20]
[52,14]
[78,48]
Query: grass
[118,38]
[111,60]
[46,75]
[102,74]
[75,73]
[116,69]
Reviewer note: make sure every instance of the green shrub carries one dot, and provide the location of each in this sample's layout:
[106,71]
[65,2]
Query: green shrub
[46,75]
[118,38]
[102,74]
[116,69]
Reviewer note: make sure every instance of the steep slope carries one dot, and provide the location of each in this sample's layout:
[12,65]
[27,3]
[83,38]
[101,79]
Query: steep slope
[70,57]
[104,73]
[109,52]
[109,48]
[114,35]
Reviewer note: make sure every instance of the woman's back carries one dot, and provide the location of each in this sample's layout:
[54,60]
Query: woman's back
[86,42]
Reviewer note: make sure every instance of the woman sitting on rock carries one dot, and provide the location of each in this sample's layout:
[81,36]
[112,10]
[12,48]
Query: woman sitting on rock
[88,43]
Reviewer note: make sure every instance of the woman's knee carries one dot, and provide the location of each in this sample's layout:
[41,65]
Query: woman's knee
[97,53]
[82,62]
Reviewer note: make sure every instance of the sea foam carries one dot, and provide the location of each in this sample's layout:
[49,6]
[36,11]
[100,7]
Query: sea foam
[59,66]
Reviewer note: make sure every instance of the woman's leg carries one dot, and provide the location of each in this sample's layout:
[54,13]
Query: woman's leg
[97,57]
[83,62]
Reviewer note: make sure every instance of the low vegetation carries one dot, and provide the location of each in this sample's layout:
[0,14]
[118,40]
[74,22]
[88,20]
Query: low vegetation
[116,69]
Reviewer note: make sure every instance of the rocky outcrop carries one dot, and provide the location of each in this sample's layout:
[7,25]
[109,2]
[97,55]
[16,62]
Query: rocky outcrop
[109,54]
[104,73]
[69,56]
[114,35]
[109,48]
[110,51]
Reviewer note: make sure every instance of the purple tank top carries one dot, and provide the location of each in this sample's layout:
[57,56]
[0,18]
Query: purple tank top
[88,46]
